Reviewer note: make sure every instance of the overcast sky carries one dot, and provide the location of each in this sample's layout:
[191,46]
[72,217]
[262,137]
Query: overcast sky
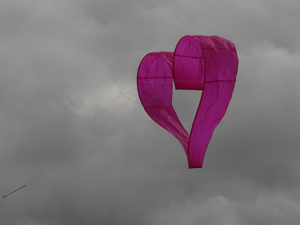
[89,155]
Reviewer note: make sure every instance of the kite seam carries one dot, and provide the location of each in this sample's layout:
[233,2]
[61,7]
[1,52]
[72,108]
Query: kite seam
[158,106]
[193,57]
[154,77]
[213,81]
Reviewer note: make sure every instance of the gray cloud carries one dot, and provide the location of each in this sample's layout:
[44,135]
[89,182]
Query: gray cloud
[62,64]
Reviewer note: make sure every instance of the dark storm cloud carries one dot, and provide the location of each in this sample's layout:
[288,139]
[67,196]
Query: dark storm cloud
[63,62]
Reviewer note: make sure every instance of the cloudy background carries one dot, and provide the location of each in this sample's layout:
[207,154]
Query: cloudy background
[73,131]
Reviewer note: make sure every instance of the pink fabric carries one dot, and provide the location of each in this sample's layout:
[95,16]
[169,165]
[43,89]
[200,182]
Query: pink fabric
[155,84]
[207,63]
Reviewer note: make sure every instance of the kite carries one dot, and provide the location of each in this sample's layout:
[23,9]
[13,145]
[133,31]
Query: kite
[207,63]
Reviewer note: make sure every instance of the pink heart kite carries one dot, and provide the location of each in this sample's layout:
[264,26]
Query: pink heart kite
[207,63]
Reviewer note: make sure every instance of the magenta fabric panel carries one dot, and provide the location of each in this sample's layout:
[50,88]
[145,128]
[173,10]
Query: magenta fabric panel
[219,61]
[155,84]
[188,65]
[214,102]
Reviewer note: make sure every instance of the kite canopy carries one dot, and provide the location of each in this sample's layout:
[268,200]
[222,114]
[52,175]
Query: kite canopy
[155,85]
[207,63]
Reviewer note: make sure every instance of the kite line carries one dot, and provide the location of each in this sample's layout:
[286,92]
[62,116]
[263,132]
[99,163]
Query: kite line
[93,130]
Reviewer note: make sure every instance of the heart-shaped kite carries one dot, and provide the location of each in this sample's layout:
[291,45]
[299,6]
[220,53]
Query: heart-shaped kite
[207,63]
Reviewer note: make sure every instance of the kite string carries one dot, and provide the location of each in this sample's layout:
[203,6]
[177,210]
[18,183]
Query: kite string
[81,140]
[130,164]
[89,124]
[126,166]
[96,138]
[130,99]
[123,119]
[84,138]
[127,82]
